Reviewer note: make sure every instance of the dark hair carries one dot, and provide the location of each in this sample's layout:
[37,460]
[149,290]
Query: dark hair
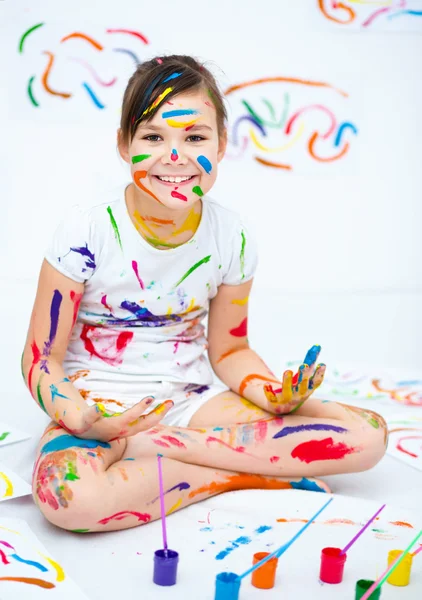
[154,78]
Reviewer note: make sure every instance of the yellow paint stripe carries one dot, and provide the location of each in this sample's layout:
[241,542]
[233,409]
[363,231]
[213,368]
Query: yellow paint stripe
[175,506]
[279,148]
[60,575]
[9,485]
[241,302]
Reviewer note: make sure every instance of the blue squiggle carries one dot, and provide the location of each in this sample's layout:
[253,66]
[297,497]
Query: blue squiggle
[342,127]
[93,96]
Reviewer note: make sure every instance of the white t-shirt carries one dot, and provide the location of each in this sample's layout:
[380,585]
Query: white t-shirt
[141,314]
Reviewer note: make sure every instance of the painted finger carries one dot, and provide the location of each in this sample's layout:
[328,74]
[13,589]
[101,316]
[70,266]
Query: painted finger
[318,377]
[154,416]
[303,387]
[312,355]
[270,393]
[91,415]
[287,390]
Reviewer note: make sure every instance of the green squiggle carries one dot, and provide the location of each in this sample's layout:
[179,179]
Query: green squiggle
[4,435]
[25,35]
[115,228]
[39,396]
[140,158]
[242,254]
[30,94]
[193,268]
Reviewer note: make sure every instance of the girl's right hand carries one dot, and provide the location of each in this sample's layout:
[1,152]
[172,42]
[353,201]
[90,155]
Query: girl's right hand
[96,424]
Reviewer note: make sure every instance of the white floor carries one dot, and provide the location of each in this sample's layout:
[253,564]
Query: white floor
[365,331]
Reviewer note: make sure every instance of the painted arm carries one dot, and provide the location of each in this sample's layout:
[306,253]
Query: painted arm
[53,317]
[240,367]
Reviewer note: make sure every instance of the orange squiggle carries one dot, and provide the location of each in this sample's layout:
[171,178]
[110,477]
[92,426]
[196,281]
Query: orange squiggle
[83,36]
[45,76]
[311,144]
[240,86]
[350,11]
[137,176]
[269,163]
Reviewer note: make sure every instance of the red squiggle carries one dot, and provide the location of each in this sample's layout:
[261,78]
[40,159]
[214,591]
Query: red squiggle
[144,517]
[137,34]
[408,437]
[240,449]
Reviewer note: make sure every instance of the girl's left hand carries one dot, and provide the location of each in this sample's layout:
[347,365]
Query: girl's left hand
[296,389]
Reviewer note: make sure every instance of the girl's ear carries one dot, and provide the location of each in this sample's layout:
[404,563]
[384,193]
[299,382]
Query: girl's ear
[123,147]
[222,145]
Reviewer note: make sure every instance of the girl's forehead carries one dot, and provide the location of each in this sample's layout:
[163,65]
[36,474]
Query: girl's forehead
[197,105]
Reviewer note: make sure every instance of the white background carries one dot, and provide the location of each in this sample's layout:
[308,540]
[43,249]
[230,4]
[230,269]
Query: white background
[339,243]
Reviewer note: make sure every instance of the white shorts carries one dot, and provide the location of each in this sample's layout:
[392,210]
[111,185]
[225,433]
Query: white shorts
[187,397]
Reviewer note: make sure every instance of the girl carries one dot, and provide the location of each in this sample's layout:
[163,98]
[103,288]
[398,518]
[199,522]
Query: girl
[115,352]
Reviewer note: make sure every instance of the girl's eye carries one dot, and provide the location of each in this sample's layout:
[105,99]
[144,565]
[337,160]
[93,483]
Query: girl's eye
[196,138]
[152,138]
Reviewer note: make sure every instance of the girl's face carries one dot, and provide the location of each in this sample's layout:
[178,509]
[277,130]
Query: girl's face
[174,156]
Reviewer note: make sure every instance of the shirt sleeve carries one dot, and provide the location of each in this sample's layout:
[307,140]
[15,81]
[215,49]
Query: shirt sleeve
[74,248]
[244,257]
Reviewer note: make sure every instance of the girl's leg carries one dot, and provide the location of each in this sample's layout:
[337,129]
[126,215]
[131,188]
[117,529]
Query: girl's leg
[319,439]
[85,485]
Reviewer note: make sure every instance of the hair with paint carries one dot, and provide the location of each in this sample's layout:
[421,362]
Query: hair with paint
[153,79]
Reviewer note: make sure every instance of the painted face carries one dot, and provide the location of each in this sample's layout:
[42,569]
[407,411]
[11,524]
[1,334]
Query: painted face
[174,156]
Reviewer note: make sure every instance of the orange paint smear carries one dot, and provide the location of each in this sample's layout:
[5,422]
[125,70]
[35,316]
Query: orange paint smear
[242,481]
[45,76]
[241,86]
[137,176]
[229,353]
[350,11]
[311,144]
[269,163]
[31,580]
[247,380]
[402,524]
[82,36]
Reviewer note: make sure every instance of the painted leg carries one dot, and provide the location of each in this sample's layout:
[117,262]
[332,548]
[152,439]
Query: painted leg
[90,486]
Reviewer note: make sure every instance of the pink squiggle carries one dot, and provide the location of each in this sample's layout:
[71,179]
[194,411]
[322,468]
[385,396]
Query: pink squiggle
[374,15]
[240,449]
[176,347]
[135,268]
[92,71]
[312,106]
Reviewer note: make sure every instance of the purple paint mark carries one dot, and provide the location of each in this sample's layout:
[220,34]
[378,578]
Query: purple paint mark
[54,320]
[311,427]
[183,485]
[89,256]
[195,388]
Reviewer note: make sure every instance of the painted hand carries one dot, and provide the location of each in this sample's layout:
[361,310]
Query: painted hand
[297,388]
[95,423]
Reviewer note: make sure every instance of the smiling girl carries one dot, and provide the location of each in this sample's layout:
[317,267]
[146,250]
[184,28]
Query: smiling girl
[116,347]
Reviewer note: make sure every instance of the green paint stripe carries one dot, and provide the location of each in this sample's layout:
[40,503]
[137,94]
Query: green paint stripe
[22,372]
[155,242]
[114,225]
[29,90]
[242,254]
[4,435]
[79,530]
[197,190]
[39,397]
[139,158]
[25,35]
[192,269]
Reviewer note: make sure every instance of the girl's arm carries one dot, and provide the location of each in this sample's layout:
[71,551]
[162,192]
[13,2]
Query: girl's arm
[233,361]
[52,320]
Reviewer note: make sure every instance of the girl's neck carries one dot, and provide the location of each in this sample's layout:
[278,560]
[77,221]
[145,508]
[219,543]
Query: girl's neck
[158,225]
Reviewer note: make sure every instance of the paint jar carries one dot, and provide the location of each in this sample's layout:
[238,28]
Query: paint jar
[401,574]
[264,577]
[362,586]
[227,586]
[332,565]
[165,567]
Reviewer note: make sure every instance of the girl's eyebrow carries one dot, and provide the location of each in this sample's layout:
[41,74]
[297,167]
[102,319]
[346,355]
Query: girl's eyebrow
[159,128]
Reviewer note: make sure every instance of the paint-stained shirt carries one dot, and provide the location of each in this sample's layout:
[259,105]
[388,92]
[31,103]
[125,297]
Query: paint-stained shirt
[142,312]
